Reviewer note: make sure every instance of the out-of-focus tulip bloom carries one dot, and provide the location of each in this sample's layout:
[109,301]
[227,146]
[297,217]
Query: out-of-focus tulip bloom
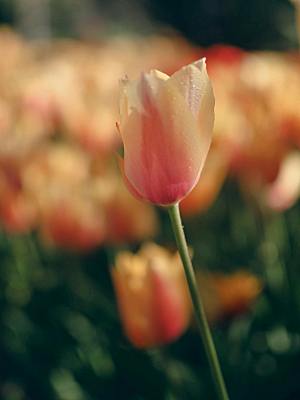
[228,295]
[128,219]
[236,292]
[166,125]
[73,225]
[152,296]
[250,113]
[208,187]
[285,191]
[223,57]
[95,133]
[17,212]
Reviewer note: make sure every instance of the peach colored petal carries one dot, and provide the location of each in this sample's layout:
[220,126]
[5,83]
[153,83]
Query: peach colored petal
[130,98]
[152,82]
[170,306]
[135,309]
[130,187]
[191,81]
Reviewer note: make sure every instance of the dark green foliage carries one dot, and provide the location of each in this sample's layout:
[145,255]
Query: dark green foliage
[61,338]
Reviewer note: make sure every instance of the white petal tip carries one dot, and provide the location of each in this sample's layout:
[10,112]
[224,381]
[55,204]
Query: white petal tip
[154,74]
[200,64]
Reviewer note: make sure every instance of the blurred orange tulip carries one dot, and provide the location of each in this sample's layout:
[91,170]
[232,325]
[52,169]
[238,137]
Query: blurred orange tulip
[228,295]
[152,296]
[236,292]
[208,186]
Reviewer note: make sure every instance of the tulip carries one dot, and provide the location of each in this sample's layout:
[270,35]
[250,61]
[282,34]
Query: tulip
[152,296]
[166,125]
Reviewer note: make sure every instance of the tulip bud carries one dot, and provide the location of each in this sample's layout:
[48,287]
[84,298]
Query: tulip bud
[166,125]
[152,296]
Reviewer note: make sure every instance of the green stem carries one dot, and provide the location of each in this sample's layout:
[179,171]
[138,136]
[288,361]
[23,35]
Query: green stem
[201,319]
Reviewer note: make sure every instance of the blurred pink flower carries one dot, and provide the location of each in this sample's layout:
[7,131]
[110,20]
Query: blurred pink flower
[285,190]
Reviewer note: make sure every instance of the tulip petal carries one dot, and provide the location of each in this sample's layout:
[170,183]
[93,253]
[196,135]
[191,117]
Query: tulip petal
[170,302]
[128,184]
[134,303]
[129,99]
[193,83]
[152,82]
[130,92]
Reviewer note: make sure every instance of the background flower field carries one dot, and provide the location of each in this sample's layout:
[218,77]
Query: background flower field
[66,215]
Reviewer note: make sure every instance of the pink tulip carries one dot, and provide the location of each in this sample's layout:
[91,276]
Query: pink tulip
[166,126]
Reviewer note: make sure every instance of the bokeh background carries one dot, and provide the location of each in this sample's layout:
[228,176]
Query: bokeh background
[65,214]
